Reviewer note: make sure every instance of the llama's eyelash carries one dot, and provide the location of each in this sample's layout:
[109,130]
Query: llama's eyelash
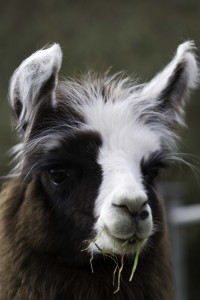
[157,158]
[60,174]
[151,167]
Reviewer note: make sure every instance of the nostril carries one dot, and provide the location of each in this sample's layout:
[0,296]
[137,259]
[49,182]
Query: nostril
[144,215]
[144,204]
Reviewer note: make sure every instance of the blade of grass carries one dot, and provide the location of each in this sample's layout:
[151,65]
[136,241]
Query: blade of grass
[119,274]
[135,260]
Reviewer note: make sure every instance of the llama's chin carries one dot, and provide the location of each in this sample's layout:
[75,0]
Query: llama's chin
[108,244]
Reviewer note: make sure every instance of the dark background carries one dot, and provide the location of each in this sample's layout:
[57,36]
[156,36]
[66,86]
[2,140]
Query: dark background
[139,37]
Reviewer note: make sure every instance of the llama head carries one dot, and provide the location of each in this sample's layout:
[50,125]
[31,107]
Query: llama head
[96,145]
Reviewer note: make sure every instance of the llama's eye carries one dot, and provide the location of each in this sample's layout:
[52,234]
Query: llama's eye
[150,172]
[58,175]
[153,172]
[151,166]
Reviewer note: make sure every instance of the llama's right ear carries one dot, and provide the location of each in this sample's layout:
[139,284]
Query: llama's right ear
[34,82]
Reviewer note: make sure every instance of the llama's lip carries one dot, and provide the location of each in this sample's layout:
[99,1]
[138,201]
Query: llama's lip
[125,241]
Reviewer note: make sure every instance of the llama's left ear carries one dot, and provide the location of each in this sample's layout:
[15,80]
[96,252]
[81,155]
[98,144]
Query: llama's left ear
[169,89]
[33,84]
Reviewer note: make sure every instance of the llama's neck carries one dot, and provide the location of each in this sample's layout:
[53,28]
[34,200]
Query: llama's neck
[56,281]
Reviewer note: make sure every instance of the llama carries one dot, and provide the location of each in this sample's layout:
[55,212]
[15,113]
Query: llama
[82,195]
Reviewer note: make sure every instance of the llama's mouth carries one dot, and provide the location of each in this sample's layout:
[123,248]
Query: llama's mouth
[125,241]
[108,243]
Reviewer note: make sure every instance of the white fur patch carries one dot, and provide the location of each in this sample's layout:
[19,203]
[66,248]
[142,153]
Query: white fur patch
[125,143]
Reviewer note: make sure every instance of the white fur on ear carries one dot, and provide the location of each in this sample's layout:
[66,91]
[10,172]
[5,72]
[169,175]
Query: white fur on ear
[185,52]
[170,87]
[30,78]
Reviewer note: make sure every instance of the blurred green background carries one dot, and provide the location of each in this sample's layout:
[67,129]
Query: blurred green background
[139,37]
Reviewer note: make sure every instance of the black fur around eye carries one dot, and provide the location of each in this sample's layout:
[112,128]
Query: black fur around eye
[151,172]
[151,167]
[59,175]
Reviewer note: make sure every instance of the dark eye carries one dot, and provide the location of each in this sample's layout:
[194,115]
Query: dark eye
[150,168]
[59,175]
[152,172]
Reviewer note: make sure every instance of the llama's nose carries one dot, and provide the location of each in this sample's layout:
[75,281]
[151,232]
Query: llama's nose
[137,206]
[128,214]
[144,215]
[140,215]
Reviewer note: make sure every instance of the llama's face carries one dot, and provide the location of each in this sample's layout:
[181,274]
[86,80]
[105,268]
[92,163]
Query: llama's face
[128,156]
[97,144]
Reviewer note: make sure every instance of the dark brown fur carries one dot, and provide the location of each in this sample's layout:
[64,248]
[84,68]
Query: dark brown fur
[32,269]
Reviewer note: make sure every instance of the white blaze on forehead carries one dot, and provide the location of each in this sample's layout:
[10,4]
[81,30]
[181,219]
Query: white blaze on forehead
[121,130]
[116,120]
